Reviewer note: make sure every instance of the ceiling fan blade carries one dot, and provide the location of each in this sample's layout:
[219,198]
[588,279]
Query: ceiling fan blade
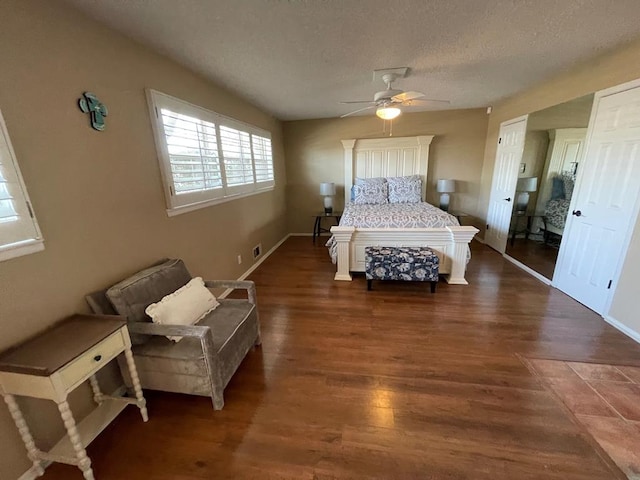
[357,111]
[359,101]
[406,96]
[425,101]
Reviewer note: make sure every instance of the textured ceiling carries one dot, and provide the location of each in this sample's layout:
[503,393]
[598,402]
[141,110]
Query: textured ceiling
[298,59]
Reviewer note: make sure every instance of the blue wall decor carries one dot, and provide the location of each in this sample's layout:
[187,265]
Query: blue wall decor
[90,104]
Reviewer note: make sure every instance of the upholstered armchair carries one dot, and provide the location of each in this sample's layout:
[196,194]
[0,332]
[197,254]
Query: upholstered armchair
[210,352]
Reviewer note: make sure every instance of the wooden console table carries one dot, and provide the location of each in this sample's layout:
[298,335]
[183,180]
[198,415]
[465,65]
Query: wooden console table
[55,363]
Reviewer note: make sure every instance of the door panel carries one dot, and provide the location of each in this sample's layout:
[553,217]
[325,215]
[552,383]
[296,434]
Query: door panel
[505,177]
[604,203]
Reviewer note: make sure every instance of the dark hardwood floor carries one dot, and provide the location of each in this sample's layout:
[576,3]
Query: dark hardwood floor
[393,383]
[535,255]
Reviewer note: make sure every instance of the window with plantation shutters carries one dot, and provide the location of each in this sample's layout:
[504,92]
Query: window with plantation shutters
[262,158]
[19,231]
[207,158]
[236,151]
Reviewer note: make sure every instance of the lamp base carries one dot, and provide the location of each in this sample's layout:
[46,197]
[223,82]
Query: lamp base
[522,202]
[444,202]
[328,205]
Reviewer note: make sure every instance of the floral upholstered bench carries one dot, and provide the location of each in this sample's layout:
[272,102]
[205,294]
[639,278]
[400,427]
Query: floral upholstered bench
[418,264]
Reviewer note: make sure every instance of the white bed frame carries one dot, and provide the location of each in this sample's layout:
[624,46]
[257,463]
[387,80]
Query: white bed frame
[390,157]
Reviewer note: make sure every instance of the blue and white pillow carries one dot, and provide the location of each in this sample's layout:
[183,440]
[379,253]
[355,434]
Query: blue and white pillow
[370,193]
[364,181]
[405,189]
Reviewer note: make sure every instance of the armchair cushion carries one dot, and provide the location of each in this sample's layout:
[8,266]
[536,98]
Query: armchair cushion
[228,323]
[131,296]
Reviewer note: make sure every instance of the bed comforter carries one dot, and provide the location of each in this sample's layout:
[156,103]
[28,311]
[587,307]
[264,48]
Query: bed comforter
[392,215]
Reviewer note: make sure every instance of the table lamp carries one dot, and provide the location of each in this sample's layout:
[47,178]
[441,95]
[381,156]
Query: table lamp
[445,187]
[328,190]
[525,185]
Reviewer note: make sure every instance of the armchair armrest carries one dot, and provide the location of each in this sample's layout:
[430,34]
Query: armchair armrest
[247,285]
[145,328]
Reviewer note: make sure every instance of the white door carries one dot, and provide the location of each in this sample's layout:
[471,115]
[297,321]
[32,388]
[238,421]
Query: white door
[505,177]
[604,205]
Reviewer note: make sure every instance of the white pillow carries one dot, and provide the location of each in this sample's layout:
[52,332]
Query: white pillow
[186,306]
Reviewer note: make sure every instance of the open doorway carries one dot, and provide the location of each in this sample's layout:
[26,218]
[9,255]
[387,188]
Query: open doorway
[553,148]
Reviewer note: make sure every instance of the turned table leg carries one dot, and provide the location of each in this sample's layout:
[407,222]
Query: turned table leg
[84,463]
[97,394]
[32,451]
[135,380]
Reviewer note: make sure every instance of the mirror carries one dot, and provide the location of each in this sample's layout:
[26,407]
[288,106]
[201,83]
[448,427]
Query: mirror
[553,148]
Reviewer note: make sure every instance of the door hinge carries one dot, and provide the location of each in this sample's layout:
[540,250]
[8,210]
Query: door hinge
[156,109]
[30,210]
[609,286]
[500,140]
[171,190]
[487,226]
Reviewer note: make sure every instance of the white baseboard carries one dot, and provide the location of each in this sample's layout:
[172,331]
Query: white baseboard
[31,474]
[323,234]
[479,240]
[618,325]
[530,271]
[256,265]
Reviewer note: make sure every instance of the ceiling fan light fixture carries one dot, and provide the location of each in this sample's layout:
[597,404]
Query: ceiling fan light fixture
[388,113]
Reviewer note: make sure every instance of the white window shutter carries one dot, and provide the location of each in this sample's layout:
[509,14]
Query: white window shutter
[19,230]
[207,158]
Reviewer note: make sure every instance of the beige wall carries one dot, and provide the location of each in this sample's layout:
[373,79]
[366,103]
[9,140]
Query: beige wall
[315,154]
[98,196]
[610,69]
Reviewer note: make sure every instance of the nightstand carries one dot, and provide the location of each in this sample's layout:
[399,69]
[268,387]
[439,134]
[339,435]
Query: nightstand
[317,227]
[56,362]
[459,216]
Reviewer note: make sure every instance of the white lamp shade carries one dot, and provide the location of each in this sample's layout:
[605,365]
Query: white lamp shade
[446,186]
[527,184]
[388,113]
[327,189]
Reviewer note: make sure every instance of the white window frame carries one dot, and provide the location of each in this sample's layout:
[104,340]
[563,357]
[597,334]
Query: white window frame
[187,202]
[28,245]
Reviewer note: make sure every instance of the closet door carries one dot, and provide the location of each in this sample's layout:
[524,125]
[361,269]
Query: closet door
[605,204]
[505,177]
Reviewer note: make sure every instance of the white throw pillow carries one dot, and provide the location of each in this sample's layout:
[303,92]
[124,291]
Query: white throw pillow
[186,306]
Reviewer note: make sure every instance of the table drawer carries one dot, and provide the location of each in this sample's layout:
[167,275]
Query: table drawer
[92,360]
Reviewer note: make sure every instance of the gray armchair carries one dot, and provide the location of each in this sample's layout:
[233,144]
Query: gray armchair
[210,352]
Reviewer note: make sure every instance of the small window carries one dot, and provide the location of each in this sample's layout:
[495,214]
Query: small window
[19,231]
[207,158]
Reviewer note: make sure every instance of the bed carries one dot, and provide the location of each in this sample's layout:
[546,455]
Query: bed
[392,224]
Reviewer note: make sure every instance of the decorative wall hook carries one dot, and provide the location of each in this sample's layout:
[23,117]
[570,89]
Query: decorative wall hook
[90,104]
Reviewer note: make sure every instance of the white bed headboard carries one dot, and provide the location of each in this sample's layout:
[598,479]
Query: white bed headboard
[385,157]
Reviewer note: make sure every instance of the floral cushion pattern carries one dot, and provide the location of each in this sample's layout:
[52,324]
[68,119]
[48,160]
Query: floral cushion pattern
[556,212]
[370,193]
[405,189]
[401,263]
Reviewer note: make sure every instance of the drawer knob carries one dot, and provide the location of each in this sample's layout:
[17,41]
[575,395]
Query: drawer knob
[97,358]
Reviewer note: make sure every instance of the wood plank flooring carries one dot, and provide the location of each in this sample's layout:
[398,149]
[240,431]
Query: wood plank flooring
[396,383]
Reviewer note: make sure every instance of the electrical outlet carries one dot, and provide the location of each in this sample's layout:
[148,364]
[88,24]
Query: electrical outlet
[257,251]
[239,259]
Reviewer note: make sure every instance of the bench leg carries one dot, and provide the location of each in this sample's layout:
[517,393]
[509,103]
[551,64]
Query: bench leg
[433,286]
[369,282]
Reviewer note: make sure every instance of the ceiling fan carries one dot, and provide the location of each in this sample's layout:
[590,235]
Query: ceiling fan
[388,102]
